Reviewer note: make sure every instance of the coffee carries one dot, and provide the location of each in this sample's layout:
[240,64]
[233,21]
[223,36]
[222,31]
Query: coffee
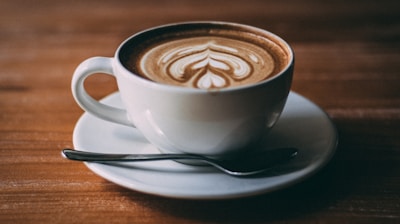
[208,56]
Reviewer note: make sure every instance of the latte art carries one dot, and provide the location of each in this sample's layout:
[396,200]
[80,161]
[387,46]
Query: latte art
[207,63]
[210,65]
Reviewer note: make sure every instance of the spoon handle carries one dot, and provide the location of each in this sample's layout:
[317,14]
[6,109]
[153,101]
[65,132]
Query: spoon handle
[73,154]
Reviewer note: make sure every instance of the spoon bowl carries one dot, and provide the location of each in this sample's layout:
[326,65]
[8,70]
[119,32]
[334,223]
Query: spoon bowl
[246,165]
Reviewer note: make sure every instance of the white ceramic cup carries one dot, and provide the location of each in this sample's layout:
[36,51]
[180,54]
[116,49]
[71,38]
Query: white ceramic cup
[177,119]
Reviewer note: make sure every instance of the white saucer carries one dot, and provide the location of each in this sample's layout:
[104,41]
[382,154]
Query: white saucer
[302,124]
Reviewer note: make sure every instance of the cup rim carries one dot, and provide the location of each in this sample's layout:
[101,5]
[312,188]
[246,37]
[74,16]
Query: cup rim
[170,87]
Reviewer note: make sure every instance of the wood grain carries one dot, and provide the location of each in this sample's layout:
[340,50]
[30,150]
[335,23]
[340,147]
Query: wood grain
[347,61]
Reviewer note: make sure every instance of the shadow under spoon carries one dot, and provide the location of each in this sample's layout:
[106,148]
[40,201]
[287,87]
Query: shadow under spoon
[247,165]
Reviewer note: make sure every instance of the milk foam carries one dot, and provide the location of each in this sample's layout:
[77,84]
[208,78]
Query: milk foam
[207,62]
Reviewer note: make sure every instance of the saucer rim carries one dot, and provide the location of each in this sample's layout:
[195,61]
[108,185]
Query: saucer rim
[291,178]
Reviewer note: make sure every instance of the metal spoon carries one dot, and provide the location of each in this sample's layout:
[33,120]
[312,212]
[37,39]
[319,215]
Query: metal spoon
[246,165]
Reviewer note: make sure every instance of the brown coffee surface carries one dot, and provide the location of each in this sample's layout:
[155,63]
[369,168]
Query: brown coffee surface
[208,60]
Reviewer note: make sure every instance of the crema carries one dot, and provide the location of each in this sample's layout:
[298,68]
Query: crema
[206,57]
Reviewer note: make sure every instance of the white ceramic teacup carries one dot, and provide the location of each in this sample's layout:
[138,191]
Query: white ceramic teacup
[213,122]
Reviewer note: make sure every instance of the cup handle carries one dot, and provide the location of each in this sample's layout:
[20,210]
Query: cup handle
[86,102]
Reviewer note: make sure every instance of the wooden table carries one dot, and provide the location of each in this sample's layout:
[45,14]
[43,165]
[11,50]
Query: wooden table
[348,62]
